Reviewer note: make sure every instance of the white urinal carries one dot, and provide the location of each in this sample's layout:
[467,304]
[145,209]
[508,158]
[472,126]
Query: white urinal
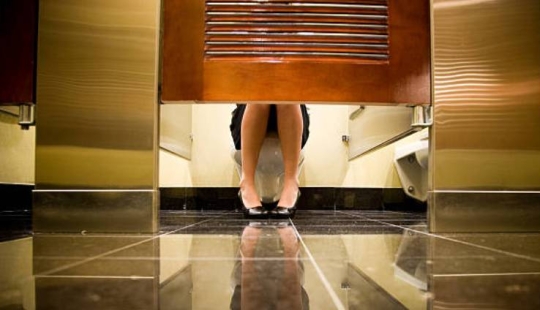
[411,162]
[270,170]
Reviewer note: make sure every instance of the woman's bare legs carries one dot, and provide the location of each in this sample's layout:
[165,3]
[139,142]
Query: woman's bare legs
[253,129]
[290,127]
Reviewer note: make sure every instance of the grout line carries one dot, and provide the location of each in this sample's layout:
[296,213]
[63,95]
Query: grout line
[96,277]
[526,257]
[485,192]
[92,190]
[498,274]
[333,295]
[65,267]
[172,258]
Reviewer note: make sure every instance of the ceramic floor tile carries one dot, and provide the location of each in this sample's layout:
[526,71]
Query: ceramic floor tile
[320,259]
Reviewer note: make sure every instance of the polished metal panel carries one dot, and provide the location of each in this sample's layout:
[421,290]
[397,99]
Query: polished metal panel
[27,115]
[486,92]
[125,211]
[96,93]
[421,116]
[488,211]
[97,116]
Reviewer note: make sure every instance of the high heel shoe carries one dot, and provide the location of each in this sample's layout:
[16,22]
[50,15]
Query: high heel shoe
[257,212]
[281,212]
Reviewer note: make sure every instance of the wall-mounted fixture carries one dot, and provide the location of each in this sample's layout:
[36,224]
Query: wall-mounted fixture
[422,116]
[27,115]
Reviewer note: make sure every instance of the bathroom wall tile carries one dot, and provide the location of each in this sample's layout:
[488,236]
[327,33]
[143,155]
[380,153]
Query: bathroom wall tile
[311,198]
[15,197]
[317,198]
[15,211]
[359,199]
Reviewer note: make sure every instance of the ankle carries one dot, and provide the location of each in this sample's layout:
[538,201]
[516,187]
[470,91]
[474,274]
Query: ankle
[291,185]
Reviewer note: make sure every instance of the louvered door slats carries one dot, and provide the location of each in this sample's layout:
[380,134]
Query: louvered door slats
[329,30]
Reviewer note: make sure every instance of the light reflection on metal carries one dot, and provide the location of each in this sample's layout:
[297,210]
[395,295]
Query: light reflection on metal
[422,116]
[97,115]
[27,115]
[486,94]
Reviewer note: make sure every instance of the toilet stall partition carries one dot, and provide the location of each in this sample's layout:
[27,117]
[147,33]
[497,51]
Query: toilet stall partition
[375,51]
[18,42]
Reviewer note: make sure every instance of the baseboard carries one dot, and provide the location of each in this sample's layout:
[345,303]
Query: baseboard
[484,211]
[312,198]
[16,197]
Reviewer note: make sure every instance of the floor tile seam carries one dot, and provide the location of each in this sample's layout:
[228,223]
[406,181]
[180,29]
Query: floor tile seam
[339,305]
[515,255]
[94,277]
[229,258]
[161,258]
[58,269]
[492,274]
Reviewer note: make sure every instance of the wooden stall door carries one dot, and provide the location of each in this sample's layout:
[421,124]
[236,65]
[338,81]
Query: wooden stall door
[375,51]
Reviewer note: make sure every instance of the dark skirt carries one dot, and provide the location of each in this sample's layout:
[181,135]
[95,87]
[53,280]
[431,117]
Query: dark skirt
[238,114]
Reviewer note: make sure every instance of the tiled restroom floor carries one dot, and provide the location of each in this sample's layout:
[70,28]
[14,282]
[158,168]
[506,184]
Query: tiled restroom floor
[320,260]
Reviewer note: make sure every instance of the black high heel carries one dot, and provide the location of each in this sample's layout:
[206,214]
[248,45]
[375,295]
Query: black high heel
[257,212]
[281,212]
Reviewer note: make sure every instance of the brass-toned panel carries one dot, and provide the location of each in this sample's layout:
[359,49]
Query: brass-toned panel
[471,211]
[97,93]
[486,95]
[96,211]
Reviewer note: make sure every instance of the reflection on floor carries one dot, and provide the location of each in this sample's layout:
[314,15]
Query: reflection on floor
[320,260]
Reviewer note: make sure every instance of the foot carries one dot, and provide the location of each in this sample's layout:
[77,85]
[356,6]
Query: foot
[289,196]
[251,204]
[249,197]
[286,207]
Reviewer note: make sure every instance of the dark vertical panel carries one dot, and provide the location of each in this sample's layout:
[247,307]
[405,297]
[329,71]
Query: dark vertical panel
[183,49]
[18,22]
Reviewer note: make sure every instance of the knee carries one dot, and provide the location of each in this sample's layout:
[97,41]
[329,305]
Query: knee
[288,108]
[258,108]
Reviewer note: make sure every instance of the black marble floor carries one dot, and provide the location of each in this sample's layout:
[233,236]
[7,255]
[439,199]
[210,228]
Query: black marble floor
[319,260]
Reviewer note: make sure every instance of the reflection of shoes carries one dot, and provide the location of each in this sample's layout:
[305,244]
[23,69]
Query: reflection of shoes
[285,212]
[283,224]
[252,213]
[256,224]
